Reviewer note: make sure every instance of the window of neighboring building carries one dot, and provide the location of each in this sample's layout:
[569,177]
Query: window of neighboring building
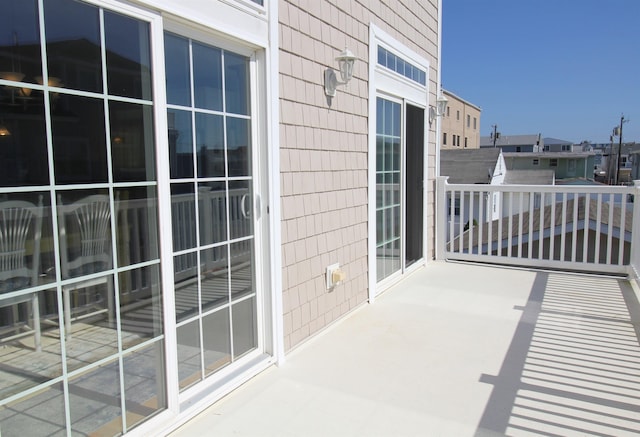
[545,148]
[444,138]
[457,115]
[468,120]
[566,148]
[448,111]
[465,141]
[518,149]
[475,123]
[553,162]
[536,161]
[458,140]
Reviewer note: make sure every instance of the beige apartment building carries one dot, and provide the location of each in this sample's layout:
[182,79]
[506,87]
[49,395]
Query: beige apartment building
[195,191]
[460,124]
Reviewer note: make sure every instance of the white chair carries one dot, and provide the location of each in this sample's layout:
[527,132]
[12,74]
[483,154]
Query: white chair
[20,225]
[89,219]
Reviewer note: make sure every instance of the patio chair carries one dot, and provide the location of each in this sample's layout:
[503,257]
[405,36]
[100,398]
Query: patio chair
[85,249]
[20,227]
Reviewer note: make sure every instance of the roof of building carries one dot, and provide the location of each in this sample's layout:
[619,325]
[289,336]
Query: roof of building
[529,155]
[548,141]
[470,166]
[529,177]
[466,102]
[510,140]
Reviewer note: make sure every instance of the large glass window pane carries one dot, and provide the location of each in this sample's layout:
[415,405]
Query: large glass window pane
[189,355]
[145,392]
[89,321]
[245,333]
[183,215]
[23,143]
[27,256]
[128,56]
[236,77]
[140,305]
[39,413]
[214,277]
[84,221]
[177,69]
[240,209]
[207,77]
[73,45]
[185,269]
[132,150]
[216,340]
[79,140]
[20,41]
[137,225]
[212,204]
[180,144]
[94,401]
[210,145]
[239,146]
[30,350]
[242,274]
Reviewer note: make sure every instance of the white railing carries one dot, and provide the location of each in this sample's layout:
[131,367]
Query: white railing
[580,227]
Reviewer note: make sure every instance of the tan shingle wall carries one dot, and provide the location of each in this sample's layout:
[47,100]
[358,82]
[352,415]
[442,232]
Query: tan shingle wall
[324,150]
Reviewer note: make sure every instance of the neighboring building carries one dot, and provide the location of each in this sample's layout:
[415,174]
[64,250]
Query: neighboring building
[515,143]
[180,183]
[460,124]
[564,164]
[556,145]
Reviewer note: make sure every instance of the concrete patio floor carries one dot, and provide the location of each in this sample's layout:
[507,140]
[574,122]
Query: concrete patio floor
[456,350]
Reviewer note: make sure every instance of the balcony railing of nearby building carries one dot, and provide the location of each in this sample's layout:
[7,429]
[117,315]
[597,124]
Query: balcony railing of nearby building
[580,228]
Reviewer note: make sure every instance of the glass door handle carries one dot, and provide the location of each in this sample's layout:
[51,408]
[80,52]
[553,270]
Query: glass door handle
[243,209]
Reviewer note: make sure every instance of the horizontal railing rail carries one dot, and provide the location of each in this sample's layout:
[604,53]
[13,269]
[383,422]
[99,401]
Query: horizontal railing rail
[573,227]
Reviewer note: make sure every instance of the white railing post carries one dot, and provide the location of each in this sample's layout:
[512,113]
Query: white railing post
[441,216]
[634,261]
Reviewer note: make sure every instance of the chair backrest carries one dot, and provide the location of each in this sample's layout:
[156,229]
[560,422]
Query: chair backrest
[91,219]
[20,225]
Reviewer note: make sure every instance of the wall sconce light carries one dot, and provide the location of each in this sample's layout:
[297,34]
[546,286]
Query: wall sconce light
[346,59]
[4,130]
[438,110]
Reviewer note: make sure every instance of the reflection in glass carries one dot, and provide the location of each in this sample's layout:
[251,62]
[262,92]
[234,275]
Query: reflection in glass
[207,77]
[213,213]
[23,152]
[140,305]
[89,321]
[94,399]
[186,286]
[137,225]
[41,413]
[73,45]
[180,144]
[240,209]
[239,146]
[30,350]
[79,142]
[20,42]
[177,69]
[216,343]
[132,150]
[183,215]
[214,277]
[145,392]
[242,274]
[236,76]
[84,219]
[189,363]
[128,56]
[245,333]
[210,145]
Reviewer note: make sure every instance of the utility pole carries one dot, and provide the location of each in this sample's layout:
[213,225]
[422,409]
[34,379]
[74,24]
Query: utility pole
[495,134]
[618,130]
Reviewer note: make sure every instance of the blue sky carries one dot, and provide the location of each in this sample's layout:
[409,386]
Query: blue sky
[567,69]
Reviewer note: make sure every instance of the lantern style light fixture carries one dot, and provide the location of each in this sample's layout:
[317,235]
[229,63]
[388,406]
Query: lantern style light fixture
[438,110]
[346,59]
